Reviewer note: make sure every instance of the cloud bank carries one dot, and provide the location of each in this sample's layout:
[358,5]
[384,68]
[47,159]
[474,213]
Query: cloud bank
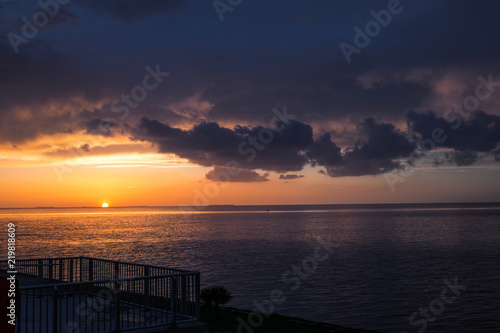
[293,147]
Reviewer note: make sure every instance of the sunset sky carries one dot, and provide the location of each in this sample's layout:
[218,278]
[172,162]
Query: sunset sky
[177,102]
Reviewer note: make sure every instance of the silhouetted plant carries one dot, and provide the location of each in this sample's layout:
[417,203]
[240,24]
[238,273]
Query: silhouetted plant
[215,295]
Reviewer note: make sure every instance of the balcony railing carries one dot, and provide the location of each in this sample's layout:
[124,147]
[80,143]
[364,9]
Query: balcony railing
[83,294]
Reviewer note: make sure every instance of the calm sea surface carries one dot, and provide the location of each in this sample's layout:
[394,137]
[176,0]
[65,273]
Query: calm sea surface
[390,262]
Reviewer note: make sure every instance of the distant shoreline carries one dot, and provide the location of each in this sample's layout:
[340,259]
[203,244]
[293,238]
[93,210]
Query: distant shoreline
[301,207]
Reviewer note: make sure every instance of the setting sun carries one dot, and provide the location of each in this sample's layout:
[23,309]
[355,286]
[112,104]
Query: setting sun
[105,205]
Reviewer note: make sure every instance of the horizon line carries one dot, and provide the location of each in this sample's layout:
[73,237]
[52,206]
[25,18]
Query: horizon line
[266,205]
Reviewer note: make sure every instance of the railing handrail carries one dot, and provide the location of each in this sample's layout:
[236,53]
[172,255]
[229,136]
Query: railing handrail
[97,259]
[31,265]
[68,284]
[136,264]
[29,259]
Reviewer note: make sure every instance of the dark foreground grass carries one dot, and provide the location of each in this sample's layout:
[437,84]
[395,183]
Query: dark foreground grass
[275,323]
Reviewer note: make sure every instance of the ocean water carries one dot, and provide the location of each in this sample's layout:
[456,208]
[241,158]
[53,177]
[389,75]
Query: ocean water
[382,267]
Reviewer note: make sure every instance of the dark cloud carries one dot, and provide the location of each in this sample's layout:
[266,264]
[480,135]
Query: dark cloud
[85,147]
[291,176]
[384,141]
[274,149]
[242,90]
[324,152]
[55,17]
[63,17]
[131,9]
[99,127]
[234,175]
[479,132]
[437,162]
[288,149]
[462,158]
[379,154]
[496,154]
[25,79]
[53,89]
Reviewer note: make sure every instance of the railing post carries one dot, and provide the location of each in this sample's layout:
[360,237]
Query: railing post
[173,300]
[117,301]
[197,297]
[91,269]
[71,270]
[183,296]
[54,312]
[51,271]
[61,270]
[40,270]
[117,270]
[146,286]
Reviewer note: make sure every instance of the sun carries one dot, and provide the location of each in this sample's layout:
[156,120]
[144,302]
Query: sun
[105,205]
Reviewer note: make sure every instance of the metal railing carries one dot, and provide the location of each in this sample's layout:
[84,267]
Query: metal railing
[83,294]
